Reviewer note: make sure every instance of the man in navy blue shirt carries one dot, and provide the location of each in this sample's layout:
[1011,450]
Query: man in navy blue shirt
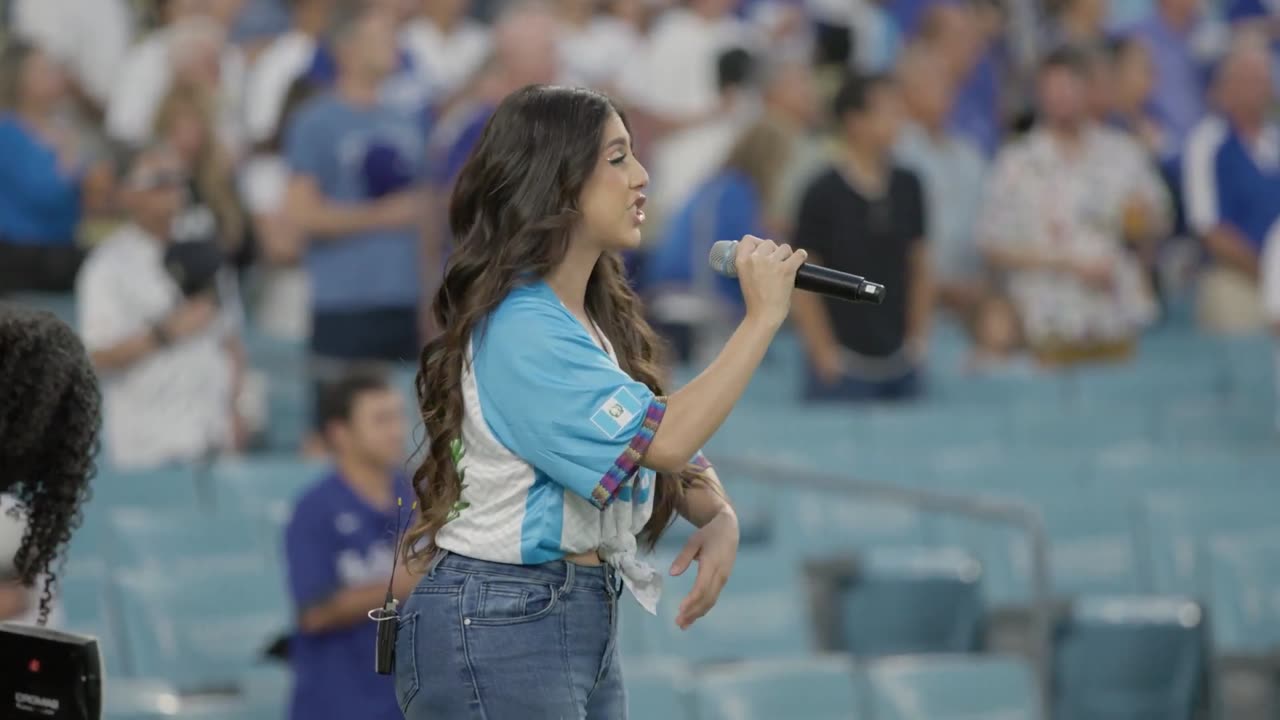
[339,547]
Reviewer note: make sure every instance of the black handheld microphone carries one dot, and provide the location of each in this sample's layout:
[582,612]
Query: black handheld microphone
[814,278]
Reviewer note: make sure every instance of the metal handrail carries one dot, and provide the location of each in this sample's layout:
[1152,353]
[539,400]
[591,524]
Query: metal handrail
[1000,511]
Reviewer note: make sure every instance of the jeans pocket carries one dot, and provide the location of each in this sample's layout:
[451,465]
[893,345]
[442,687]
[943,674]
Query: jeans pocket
[406,666]
[503,602]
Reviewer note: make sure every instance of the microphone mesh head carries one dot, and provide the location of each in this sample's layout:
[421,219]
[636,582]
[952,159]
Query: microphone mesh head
[721,258]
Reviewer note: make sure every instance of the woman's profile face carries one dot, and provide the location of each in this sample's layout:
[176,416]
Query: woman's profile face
[612,200]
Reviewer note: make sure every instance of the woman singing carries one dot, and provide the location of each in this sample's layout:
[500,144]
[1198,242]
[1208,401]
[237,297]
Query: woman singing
[552,445]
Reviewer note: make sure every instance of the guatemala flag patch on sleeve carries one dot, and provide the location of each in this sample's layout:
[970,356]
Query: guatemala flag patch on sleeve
[616,412]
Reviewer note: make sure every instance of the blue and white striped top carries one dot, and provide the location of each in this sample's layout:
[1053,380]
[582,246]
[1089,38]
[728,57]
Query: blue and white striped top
[552,436]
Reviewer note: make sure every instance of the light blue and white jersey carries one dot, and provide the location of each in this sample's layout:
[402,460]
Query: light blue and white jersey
[552,436]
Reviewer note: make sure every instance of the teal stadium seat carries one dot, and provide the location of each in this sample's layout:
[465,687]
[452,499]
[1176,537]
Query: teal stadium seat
[87,606]
[813,688]
[1131,658]
[168,488]
[265,489]
[1244,572]
[912,600]
[659,688]
[814,524]
[202,630]
[953,687]
[760,613]
[199,597]
[1177,524]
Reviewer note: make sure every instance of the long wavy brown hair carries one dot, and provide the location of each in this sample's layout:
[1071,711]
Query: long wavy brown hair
[511,214]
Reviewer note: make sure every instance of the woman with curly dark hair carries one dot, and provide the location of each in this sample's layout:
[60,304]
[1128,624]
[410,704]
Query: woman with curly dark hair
[553,446]
[49,417]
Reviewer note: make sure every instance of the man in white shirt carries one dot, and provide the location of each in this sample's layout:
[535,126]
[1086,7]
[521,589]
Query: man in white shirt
[170,364]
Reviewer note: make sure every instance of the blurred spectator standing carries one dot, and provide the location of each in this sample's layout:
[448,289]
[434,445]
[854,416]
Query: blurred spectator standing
[1080,23]
[1129,78]
[674,89]
[1232,188]
[876,36]
[356,192]
[868,216]
[951,170]
[594,45]
[792,104]
[169,354]
[1057,208]
[955,31]
[692,306]
[339,549]
[185,123]
[280,287]
[288,57]
[49,177]
[190,48]
[448,43]
[1177,102]
[524,52]
[1261,17]
[90,37]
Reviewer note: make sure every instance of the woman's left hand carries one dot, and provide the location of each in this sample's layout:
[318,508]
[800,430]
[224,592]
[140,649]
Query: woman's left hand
[715,547]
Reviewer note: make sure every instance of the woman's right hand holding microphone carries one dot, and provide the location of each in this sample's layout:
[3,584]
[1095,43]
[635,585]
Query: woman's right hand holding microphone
[767,274]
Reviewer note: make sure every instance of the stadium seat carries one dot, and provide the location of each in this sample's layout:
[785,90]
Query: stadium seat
[86,606]
[161,489]
[265,488]
[817,523]
[912,600]
[183,542]
[1244,571]
[953,687]
[1092,546]
[659,688]
[759,613]
[200,630]
[813,688]
[1178,523]
[1131,658]
[265,690]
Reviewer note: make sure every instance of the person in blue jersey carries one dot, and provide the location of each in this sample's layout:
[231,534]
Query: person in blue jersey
[554,451]
[357,193]
[339,547]
[685,295]
[48,179]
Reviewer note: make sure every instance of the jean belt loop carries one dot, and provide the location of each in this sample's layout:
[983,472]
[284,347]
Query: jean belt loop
[435,561]
[568,577]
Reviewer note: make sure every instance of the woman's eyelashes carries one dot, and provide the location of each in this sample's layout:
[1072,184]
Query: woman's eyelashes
[618,160]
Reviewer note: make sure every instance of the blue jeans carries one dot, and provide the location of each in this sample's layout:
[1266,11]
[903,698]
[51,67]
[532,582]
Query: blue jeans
[479,640]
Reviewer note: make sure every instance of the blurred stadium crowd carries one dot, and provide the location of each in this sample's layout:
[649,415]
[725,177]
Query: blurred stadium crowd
[241,205]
